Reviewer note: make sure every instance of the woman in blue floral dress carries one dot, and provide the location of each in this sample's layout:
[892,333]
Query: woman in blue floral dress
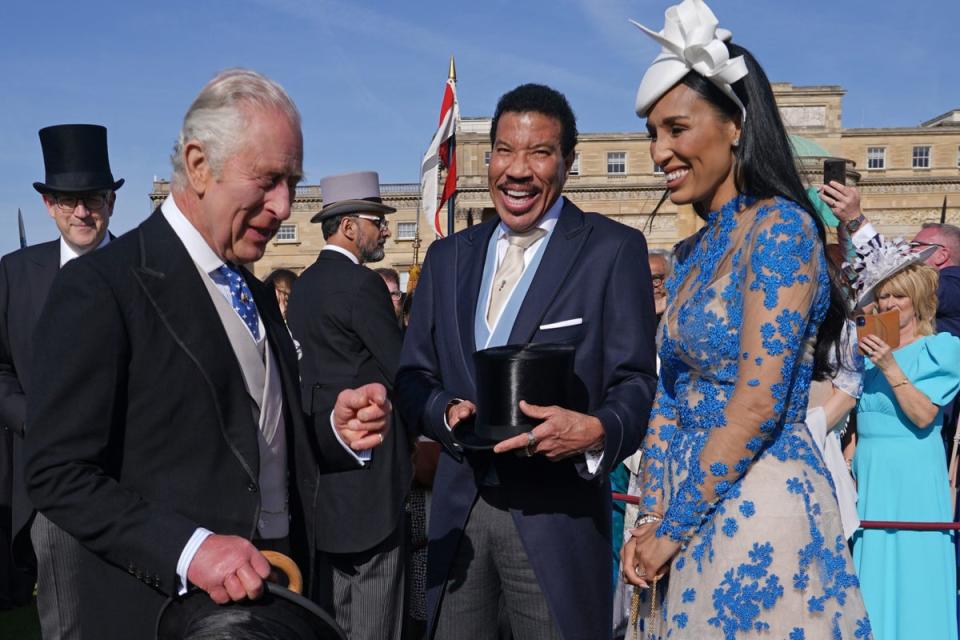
[738,511]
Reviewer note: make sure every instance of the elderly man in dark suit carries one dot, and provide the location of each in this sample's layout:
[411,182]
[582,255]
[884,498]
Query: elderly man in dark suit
[79,193]
[341,314]
[164,419]
[531,530]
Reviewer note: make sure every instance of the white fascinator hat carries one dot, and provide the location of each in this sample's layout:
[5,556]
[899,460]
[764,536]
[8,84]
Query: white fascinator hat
[691,41]
[879,260]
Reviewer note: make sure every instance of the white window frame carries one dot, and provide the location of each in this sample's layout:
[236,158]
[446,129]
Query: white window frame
[657,169]
[623,160]
[284,226]
[923,155]
[486,158]
[412,226]
[575,167]
[880,158]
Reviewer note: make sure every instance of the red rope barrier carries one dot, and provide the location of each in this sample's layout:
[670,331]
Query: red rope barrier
[864,524]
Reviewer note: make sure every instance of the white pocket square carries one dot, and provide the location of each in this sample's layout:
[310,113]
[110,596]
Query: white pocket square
[563,323]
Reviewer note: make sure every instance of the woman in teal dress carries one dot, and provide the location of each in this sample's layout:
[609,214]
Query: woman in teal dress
[908,578]
[740,531]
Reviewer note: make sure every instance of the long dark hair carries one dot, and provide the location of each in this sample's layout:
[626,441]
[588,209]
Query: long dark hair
[765,168]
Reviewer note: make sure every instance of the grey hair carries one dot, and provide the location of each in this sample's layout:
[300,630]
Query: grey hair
[218,116]
[950,236]
[666,254]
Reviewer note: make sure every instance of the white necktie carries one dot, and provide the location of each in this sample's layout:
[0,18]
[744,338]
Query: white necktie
[510,270]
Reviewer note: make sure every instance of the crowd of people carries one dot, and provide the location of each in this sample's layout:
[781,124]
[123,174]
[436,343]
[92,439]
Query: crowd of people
[439,462]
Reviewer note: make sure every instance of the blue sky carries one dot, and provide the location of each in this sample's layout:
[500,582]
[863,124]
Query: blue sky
[368,76]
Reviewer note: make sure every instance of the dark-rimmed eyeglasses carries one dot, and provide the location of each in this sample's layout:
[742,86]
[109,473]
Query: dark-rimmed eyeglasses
[92,201]
[377,220]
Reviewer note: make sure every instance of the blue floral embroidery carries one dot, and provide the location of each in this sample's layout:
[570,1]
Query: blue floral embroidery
[697,484]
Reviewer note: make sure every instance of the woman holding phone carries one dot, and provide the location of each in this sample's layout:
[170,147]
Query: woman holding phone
[908,578]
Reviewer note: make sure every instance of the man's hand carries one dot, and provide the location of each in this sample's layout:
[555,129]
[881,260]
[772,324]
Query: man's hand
[228,568]
[844,201]
[362,416]
[563,433]
[457,413]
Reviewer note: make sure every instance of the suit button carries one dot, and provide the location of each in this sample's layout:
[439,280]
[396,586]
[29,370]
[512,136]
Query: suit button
[252,488]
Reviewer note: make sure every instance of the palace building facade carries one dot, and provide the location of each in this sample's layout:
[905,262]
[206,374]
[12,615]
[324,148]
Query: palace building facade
[903,174]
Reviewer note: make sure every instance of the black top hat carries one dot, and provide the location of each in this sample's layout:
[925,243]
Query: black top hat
[75,158]
[540,374]
[279,612]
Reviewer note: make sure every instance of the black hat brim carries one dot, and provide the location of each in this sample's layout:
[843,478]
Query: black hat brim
[465,434]
[177,613]
[351,206]
[46,188]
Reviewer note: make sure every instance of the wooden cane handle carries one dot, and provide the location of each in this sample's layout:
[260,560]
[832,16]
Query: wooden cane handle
[289,568]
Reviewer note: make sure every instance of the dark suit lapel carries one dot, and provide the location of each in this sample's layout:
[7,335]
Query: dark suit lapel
[471,251]
[562,251]
[44,265]
[172,283]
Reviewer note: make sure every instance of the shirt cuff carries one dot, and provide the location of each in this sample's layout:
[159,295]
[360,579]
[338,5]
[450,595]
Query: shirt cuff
[363,457]
[186,557]
[593,458]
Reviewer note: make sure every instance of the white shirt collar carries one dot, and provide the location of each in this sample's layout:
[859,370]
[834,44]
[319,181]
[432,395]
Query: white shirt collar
[333,247]
[68,253]
[200,252]
[547,222]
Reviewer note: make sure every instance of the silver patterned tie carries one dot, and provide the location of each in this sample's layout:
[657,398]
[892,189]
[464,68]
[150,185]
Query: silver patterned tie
[510,270]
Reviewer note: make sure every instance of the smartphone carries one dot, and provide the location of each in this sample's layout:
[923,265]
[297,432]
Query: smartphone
[835,170]
[885,326]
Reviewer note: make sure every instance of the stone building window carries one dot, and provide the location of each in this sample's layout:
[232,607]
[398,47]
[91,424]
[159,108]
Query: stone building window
[575,167]
[406,230]
[287,232]
[616,162]
[921,157]
[657,169]
[958,157]
[486,158]
[876,158]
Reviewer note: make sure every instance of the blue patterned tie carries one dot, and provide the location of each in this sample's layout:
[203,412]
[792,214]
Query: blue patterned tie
[241,298]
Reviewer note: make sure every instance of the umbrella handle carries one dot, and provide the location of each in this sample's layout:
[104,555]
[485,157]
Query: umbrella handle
[288,567]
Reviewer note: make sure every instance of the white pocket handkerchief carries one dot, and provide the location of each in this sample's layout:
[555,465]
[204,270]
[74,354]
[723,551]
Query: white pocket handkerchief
[563,323]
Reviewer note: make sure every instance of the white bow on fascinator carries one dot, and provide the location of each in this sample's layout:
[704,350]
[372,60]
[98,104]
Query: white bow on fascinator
[691,41]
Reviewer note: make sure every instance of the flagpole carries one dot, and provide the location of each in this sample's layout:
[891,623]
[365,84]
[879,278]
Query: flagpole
[451,151]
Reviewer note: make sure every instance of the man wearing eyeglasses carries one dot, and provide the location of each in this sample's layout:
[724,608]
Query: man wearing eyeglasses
[79,193]
[341,314]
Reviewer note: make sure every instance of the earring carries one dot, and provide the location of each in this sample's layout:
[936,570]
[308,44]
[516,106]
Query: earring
[736,143]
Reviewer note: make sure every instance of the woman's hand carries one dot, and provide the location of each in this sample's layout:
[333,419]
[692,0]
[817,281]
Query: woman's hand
[879,352]
[646,557]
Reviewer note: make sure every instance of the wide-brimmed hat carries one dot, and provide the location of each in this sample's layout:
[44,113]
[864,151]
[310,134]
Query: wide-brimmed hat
[880,259]
[278,609]
[75,159]
[540,374]
[691,41]
[357,192]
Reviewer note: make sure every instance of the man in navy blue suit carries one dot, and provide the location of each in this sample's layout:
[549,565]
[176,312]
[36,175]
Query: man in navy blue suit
[523,532]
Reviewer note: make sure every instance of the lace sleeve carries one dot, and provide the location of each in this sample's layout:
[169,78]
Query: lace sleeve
[781,271]
[663,421]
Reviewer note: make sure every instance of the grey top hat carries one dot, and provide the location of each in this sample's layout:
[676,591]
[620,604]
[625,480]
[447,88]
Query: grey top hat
[357,192]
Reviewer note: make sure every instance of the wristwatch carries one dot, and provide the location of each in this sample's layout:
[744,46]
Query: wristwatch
[853,225]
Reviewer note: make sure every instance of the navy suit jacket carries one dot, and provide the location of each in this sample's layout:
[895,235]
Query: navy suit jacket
[594,269]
